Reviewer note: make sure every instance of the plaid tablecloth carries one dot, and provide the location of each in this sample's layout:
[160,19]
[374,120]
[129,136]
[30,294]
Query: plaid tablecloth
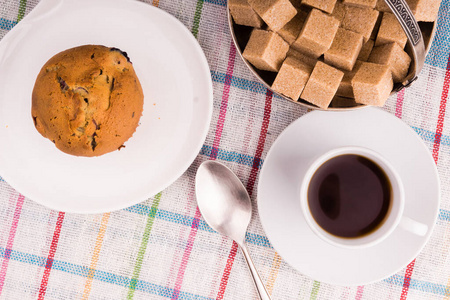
[162,248]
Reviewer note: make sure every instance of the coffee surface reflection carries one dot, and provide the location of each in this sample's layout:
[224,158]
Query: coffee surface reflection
[349,196]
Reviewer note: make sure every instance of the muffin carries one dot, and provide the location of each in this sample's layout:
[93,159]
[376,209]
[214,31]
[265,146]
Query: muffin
[87,100]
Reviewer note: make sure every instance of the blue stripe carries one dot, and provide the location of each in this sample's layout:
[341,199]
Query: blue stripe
[257,239]
[430,136]
[444,215]
[7,24]
[424,286]
[107,277]
[231,156]
[217,2]
[241,83]
[148,287]
[169,216]
[439,52]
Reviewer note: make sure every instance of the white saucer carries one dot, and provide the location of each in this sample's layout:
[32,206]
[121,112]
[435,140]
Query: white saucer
[279,206]
[178,98]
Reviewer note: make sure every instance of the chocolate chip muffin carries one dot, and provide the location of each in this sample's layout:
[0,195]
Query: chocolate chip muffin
[87,100]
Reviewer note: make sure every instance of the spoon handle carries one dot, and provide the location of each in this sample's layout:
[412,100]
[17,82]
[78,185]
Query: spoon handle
[261,289]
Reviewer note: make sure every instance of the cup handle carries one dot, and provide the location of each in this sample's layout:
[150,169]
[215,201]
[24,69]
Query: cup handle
[413,226]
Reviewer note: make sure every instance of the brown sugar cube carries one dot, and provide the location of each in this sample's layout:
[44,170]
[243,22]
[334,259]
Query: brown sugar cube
[360,20]
[345,88]
[317,34]
[266,50]
[424,10]
[291,78]
[390,31]
[361,3]
[382,6]
[372,84]
[243,14]
[324,5]
[344,50]
[394,57]
[322,85]
[302,57]
[276,13]
[291,30]
[339,11]
[365,50]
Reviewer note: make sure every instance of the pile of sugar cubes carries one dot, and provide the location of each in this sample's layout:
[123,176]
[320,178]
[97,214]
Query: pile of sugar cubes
[329,49]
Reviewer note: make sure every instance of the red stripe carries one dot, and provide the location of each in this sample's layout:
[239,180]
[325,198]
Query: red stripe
[440,124]
[51,254]
[250,186]
[407,280]
[359,292]
[227,271]
[187,253]
[10,242]
[399,104]
[224,103]
[213,156]
[261,142]
[436,146]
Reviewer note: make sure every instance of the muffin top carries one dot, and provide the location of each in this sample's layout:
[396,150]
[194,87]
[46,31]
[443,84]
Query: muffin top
[87,100]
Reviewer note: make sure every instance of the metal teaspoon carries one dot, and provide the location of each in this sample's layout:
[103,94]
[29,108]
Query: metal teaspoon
[226,207]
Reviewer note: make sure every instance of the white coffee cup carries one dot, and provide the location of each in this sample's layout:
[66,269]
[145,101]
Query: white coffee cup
[393,218]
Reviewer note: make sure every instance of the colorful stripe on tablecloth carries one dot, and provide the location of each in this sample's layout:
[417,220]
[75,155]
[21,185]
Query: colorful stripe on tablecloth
[7,24]
[51,255]
[22,6]
[95,256]
[10,242]
[99,275]
[148,228]
[148,287]
[186,253]
[216,143]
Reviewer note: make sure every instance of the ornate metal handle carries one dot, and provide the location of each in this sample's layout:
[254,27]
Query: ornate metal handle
[409,24]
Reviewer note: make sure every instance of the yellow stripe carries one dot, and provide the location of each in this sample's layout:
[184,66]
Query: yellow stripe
[94,260]
[155,3]
[273,273]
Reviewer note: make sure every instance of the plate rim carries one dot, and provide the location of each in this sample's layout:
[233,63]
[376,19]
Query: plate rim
[203,68]
[283,251]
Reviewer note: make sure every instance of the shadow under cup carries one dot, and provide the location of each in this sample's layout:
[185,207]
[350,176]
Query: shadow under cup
[352,197]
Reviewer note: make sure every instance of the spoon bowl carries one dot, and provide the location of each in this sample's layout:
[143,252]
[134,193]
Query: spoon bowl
[223,200]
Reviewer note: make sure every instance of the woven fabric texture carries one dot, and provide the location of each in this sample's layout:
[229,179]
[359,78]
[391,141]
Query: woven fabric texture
[162,248]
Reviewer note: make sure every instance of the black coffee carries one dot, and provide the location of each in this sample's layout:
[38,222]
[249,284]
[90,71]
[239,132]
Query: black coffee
[349,196]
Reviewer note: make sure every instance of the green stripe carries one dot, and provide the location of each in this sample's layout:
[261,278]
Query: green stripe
[315,290]
[22,6]
[144,242]
[197,16]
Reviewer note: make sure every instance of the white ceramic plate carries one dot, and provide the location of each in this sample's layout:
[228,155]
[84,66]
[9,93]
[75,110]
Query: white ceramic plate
[177,88]
[278,194]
